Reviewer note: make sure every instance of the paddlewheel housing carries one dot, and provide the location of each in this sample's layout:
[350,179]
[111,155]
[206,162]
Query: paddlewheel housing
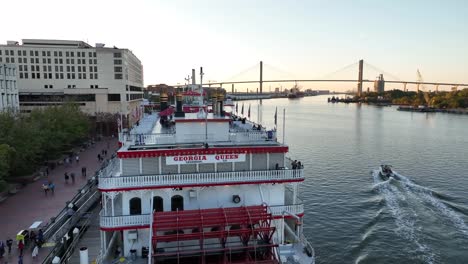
[221,235]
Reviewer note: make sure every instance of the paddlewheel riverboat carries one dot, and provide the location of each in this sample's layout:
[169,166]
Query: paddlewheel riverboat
[202,188]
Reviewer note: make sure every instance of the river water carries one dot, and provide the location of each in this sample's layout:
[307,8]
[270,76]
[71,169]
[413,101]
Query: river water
[352,216]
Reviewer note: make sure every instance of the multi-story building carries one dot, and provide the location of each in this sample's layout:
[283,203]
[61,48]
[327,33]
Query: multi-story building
[51,72]
[379,84]
[8,88]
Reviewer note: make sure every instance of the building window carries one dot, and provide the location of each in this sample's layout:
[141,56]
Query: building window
[117,69]
[7,60]
[26,75]
[111,97]
[67,54]
[95,76]
[78,54]
[118,76]
[57,76]
[60,54]
[72,54]
[94,54]
[45,75]
[24,53]
[95,68]
[31,60]
[44,60]
[49,61]
[55,53]
[68,61]
[158,204]
[50,75]
[37,60]
[44,68]
[46,86]
[37,68]
[90,61]
[72,61]
[19,52]
[117,55]
[135,206]
[56,61]
[84,75]
[36,53]
[21,75]
[31,53]
[118,62]
[12,60]
[177,203]
[48,53]
[43,53]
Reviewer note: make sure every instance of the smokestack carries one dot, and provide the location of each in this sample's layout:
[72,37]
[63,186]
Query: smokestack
[220,106]
[179,111]
[163,101]
[214,101]
[193,76]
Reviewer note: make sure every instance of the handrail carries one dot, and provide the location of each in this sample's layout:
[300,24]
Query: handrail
[198,178]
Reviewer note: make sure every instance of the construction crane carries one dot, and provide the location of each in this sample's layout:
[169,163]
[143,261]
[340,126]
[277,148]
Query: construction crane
[425,93]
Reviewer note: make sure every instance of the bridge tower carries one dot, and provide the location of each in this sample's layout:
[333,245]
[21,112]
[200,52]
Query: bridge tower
[261,76]
[361,66]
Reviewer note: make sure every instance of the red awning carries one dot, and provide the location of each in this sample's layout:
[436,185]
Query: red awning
[167,112]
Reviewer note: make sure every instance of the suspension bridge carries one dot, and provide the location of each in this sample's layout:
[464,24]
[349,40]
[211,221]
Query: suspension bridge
[356,69]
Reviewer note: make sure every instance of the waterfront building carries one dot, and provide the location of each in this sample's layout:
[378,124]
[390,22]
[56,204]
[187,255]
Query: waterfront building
[99,79]
[203,188]
[379,84]
[8,88]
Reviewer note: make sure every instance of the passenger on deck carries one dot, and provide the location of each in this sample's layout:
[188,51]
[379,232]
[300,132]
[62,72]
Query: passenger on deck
[299,165]
[277,166]
[294,164]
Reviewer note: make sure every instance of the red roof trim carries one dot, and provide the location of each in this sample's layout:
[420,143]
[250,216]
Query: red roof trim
[196,185]
[202,120]
[199,151]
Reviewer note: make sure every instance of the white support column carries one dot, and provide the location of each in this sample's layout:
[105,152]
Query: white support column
[141,165]
[121,166]
[233,166]
[198,168]
[178,168]
[160,164]
[105,241]
[104,197]
[268,161]
[250,160]
[216,167]
[294,192]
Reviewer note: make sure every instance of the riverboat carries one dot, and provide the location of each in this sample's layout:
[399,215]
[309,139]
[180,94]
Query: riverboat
[203,188]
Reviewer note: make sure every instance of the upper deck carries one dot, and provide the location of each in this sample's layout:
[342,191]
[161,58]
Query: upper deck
[194,131]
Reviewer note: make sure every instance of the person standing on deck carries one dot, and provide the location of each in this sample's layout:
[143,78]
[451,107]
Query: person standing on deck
[77,158]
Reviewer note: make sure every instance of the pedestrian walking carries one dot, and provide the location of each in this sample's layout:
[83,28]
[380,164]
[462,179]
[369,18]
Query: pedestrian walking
[66,177]
[52,187]
[20,259]
[45,187]
[99,157]
[83,171]
[35,252]
[72,175]
[2,248]
[77,158]
[40,238]
[21,247]
[105,152]
[9,243]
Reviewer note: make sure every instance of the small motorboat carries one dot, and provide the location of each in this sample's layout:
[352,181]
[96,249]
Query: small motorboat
[386,172]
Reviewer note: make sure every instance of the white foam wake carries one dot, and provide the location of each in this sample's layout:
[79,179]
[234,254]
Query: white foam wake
[427,195]
[405,218]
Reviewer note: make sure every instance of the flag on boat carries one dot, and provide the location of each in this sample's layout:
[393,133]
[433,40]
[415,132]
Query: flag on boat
[248,113]
[242,109]
[237,108]
[276,116]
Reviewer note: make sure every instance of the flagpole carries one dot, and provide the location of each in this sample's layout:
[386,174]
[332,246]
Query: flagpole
[284,122]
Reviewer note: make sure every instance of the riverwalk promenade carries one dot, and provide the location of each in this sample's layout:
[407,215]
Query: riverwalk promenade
[31,203]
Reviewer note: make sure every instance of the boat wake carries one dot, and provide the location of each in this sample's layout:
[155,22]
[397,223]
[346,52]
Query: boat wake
[410,205]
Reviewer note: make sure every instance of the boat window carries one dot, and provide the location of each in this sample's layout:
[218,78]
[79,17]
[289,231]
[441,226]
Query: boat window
[177,203]
[158,204]
[135,206]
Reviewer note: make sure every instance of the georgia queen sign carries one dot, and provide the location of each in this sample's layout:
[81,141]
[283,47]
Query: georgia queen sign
[194,159]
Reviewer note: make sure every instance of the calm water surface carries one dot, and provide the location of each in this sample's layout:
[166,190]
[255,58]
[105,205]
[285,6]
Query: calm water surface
[352,216]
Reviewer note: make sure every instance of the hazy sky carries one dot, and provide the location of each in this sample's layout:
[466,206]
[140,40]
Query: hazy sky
[300,39]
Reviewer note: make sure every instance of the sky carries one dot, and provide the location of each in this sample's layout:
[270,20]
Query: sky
[295,39]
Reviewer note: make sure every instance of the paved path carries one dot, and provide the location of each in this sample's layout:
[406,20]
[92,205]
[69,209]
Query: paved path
[31,204]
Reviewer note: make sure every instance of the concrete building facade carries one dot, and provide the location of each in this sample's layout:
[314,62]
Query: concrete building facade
[9,100]
[52,72]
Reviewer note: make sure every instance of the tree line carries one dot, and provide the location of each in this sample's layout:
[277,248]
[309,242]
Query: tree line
[27,141]
[443,99]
